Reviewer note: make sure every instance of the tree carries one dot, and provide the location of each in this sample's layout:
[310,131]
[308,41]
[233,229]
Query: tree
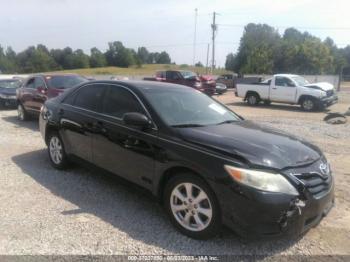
[35,59]
[199,64]
[118,55]
[97,58]
[256,50]
[163,58]
[230,62]
[143,54]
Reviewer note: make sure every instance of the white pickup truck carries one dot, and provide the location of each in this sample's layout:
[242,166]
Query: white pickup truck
[289,89]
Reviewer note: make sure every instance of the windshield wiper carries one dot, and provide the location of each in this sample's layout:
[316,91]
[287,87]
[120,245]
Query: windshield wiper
[226,122]
[187,125]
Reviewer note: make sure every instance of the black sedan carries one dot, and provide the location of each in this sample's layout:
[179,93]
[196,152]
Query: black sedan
[206,164]
[8,89]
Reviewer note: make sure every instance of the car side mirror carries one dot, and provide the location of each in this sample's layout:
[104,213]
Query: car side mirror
[137,119]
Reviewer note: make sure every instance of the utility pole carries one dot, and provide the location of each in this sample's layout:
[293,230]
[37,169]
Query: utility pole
[214,28]
[195,36]
[207,65]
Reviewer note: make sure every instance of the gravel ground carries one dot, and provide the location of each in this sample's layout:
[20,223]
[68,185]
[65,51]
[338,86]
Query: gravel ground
[44,211]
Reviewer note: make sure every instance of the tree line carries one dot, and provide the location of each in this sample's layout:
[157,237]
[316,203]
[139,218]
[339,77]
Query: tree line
[40,59]
[263,50]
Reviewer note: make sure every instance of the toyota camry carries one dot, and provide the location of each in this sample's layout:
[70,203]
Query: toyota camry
[208,166]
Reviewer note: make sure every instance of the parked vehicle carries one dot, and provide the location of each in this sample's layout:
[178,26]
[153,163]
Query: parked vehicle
[228,80]
[208,165]
[8,89]
[220,88]
[203,83]
[289,89]
[38,88]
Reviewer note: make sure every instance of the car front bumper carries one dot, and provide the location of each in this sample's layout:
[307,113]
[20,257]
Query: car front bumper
[11,101]
[254,213]
[328,101]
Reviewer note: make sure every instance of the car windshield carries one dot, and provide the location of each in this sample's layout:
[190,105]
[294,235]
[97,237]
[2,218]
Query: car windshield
[188,107]
[187,74]
[301,81]
[10,83]
[64,81]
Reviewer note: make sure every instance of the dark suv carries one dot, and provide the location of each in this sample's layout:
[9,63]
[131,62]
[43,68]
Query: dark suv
[38,88]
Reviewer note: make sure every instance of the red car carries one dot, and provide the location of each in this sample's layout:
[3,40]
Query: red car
[204,83]
[38,88]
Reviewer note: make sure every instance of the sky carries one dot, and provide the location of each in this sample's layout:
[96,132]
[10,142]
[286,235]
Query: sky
[163,24]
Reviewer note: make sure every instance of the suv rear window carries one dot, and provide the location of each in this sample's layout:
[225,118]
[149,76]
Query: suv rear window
[64,82]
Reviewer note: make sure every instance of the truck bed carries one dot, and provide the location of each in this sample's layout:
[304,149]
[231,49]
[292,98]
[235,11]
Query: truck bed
[263,89]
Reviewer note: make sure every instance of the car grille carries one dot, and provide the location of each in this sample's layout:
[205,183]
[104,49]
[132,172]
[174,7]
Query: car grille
[315,183]
[330,92]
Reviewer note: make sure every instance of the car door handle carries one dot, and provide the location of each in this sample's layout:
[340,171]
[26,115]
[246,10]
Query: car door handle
[274,88]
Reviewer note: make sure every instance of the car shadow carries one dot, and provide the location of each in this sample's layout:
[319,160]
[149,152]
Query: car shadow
[132,210]
[279,107]
[31,123]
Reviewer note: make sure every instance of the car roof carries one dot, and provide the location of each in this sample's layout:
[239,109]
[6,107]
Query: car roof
[54,74]
[286,75]
[142,85]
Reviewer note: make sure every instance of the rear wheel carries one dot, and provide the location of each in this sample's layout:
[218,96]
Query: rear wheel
[308,104]
[253,99]
[56,151]
[192,206]
[22,113]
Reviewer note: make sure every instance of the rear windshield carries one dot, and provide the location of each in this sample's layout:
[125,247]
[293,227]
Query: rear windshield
[10,83]
[64,82]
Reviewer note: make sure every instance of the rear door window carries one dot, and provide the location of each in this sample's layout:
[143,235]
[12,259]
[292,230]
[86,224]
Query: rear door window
[89,97]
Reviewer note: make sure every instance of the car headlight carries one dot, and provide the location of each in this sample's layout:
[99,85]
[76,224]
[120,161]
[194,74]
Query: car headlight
[198,84]
[323,94]
[261,180]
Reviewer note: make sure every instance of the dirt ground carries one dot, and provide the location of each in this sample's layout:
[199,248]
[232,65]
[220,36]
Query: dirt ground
[45,211]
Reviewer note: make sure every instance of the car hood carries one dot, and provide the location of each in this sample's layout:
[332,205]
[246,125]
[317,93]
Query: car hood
[8,91]
[322,86]
[258,145]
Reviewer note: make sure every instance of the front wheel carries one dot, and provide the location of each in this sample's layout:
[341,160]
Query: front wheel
[56,151]
[21,113]
[192,206]
[308,104]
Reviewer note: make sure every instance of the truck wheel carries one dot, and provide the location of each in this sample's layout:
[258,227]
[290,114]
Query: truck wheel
[308,104]
[253,99]
[21,113]
[192,206]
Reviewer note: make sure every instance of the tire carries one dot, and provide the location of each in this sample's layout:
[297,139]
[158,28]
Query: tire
[195,218]
[22,113]
[252,99]
[56,151]
[308,104]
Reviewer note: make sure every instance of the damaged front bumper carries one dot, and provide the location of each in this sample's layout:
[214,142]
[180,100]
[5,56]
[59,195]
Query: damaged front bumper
[253,213]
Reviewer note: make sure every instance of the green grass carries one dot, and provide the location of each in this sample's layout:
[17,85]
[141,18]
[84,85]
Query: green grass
[135,71]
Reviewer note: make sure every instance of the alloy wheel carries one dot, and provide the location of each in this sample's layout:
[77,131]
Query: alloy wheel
[56,150]
[20,112]
[191,206]
[308,104]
